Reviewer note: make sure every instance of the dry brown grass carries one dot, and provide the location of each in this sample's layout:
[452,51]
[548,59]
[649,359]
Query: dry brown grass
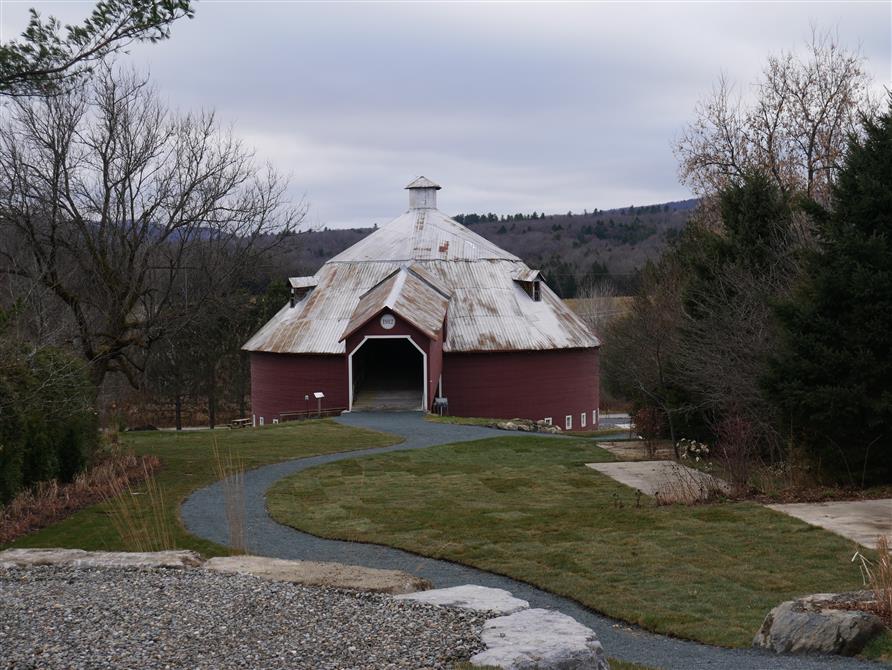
[230,470]
[49,502]
[138,513]
[877,576]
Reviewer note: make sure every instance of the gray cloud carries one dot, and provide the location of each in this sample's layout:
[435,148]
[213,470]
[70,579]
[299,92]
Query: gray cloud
[512,107]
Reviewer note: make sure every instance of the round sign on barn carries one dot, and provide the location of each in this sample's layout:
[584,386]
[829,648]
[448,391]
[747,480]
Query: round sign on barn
[424,308]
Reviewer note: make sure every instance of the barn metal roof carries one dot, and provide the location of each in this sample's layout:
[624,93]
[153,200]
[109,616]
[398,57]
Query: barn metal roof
[487,309]
[408,293]
[527,275]
[423,182]
[302,282]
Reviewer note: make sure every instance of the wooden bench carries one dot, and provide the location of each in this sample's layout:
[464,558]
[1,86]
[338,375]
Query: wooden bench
[240,423]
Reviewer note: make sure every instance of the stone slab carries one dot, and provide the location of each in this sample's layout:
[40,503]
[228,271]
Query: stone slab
[79,558]
[541,639]
[313,573]
[471,597]
[859,520]
[667,479]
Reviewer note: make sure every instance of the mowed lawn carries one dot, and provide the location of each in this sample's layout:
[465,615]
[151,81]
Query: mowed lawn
[529,508]
[188,463]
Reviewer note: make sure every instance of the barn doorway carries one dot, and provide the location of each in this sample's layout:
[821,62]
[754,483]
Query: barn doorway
[388,374]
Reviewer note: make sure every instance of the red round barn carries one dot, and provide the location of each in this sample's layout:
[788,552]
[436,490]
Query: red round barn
[422,309]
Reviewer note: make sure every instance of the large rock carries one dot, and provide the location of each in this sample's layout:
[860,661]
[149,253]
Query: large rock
[819,624]
[471,597]
[312,573]
[542,640]
[78,558]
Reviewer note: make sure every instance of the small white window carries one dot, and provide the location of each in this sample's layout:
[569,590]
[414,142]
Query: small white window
[568,422]
[582,418]
[547,420]
[261,421]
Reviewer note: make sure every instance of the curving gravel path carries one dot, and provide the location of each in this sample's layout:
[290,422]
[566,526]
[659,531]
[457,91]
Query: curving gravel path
[57,618]
[203,514]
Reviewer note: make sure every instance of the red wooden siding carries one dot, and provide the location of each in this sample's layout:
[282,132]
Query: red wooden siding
[523,384]
[280,381]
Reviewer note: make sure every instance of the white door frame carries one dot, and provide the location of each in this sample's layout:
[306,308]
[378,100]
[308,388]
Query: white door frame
[387,337]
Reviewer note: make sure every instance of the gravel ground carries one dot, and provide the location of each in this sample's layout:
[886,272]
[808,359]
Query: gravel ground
[55,617]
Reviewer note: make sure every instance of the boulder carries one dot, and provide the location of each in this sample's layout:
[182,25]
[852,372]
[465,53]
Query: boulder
[471,597]
[311,573]
[78,558]
[539,639]
[819,624]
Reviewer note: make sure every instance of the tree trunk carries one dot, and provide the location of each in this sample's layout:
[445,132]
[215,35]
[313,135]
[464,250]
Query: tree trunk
[212,398]
[178,412]
[672,433]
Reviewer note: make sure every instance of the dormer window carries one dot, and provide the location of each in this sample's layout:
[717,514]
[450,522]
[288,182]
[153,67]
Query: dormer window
[531,282]
[300,286]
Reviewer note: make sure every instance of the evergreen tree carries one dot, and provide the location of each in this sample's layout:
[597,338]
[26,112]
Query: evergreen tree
[833,377]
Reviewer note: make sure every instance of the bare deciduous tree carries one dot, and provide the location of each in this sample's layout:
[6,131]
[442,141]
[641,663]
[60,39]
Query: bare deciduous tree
[113,203]
[597,305]
[795,128]
[640,348]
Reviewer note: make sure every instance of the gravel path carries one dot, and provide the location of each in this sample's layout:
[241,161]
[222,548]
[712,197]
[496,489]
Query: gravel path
[55,617]
[203,514]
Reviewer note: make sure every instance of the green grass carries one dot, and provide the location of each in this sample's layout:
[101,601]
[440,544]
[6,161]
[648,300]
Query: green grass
[879,648]
[529,508]
[188,464]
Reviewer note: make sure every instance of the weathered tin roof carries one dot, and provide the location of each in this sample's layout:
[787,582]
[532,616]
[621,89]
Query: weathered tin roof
[487,311]
[423,182]
[408,293]
[302,282]
[527,275]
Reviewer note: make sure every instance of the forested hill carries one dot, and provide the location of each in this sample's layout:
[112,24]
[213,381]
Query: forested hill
[571,250]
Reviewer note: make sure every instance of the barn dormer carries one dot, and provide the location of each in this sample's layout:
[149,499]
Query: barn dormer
[300,286]
[531,282]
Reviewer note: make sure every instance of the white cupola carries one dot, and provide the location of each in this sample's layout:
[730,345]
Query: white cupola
[423,193]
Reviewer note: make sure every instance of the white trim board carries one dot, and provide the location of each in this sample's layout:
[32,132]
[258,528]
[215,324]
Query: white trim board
[387,337]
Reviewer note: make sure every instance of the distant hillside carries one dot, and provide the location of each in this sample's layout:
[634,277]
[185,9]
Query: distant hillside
[570,249]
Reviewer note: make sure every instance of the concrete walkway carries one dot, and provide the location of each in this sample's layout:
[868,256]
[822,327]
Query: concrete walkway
[859,520]
[203,514]
[668,480]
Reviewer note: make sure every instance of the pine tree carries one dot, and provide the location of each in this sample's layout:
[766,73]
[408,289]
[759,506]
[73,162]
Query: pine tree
[833,377]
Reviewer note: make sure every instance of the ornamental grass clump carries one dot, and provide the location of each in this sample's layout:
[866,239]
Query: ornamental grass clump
[877,577]
[230,470]
[138,514]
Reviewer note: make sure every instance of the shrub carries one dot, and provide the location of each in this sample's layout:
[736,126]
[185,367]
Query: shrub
[48,424]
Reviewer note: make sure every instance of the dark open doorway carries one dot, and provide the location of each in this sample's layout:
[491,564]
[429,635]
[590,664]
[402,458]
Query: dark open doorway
[388,374]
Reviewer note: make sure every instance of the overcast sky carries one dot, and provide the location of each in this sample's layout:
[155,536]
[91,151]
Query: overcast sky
[511,107]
